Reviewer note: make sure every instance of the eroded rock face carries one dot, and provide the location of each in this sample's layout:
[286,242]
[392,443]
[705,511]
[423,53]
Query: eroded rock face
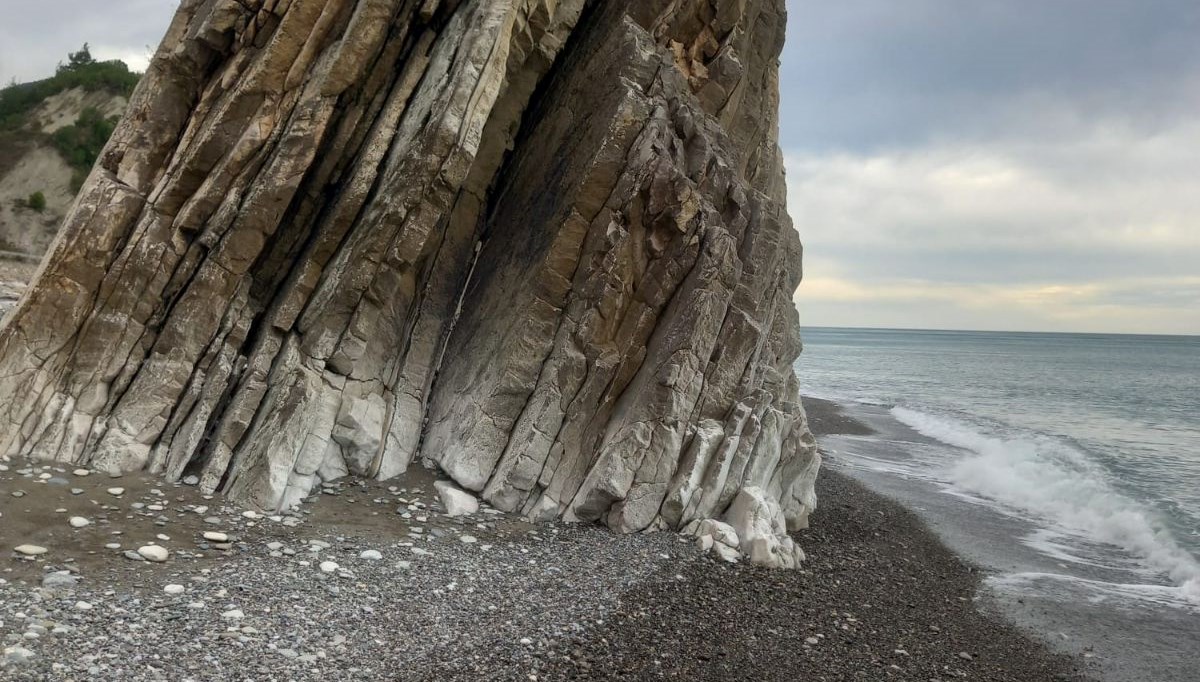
[541,243]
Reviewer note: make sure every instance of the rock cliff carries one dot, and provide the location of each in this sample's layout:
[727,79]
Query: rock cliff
[539,243]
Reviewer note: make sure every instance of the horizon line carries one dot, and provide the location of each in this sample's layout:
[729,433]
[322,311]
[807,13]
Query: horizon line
[804,327]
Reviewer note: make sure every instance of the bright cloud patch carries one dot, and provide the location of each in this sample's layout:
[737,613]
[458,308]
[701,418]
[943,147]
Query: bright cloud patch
[1100,232]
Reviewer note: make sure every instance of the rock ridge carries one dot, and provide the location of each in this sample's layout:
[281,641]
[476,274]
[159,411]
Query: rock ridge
[542,244]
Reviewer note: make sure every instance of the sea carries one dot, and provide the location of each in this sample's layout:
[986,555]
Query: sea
[1066,466]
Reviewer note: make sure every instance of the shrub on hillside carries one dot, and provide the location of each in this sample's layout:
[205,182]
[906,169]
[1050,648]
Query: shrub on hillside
[80,144]
[36,201]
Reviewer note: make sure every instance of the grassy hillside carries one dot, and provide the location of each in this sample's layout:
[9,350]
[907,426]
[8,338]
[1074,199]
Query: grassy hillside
[80,143]
[80,71]
[51,133]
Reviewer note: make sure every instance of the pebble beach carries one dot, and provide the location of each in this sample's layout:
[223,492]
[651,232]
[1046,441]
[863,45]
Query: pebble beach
[376,581]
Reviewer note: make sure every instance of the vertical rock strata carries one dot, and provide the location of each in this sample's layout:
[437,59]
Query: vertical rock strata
[542,243]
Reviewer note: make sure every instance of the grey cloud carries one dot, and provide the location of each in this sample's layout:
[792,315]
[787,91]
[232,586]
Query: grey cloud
[868,74]
[36,36]
[1016,164]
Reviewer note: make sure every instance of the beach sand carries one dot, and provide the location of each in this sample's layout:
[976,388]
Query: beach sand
[880,598]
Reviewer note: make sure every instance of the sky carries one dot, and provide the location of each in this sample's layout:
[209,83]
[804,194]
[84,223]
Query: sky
[1026,165]
[985,164]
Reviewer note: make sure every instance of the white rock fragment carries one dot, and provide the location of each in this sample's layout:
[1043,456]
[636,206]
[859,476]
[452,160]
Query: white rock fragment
[81,472]
[759,522]
[329,566]
[116,492]
[727,553]
[371,555]
[457,502]
[153,553]
[213,536]
[30,550]
[83,606]
[720,532]
[79,522]
[233,614]
[173,589]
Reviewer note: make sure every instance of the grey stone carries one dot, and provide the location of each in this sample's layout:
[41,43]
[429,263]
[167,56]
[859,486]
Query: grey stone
[60,580]
[17,655]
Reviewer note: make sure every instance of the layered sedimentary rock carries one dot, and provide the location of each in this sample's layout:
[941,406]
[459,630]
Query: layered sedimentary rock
[539,243]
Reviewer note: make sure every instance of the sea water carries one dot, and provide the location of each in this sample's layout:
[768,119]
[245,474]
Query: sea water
[1086,447]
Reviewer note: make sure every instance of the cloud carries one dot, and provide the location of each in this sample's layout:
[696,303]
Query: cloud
[35,37]
[868,74]
[996,165]
[1100,231]
[1105,307]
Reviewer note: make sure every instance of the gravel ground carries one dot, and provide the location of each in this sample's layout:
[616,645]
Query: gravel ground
[461,612]
[483,598]
[879,599]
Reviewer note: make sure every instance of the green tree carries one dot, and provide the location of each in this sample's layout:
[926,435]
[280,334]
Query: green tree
[78,60]
[37,201]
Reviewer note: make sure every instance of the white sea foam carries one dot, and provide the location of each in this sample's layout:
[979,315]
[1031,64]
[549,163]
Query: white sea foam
[1094,591]
[1072,548]
[1050,480]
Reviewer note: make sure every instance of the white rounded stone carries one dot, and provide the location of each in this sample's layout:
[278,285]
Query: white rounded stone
[173,589]
[329,566]
[79,522]
[30,550]
[213,536]
[153,553]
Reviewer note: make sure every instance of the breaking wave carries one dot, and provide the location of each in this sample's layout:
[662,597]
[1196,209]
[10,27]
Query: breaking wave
[1050,480]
